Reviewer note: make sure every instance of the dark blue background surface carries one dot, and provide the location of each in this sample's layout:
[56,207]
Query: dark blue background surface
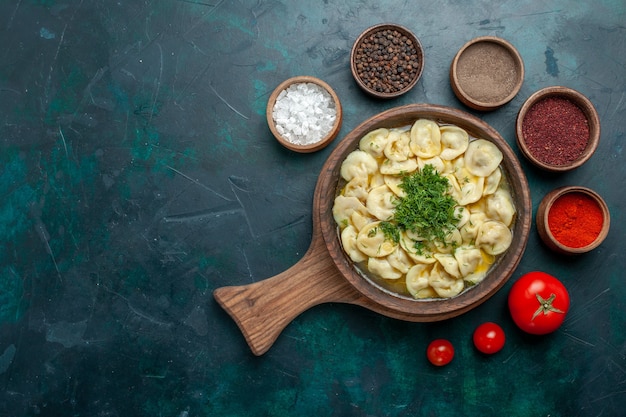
[138,175]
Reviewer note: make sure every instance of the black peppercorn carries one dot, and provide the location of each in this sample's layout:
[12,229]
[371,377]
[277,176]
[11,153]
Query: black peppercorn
[396,61]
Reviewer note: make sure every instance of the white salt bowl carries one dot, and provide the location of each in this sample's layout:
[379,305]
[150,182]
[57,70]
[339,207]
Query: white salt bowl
[308,118]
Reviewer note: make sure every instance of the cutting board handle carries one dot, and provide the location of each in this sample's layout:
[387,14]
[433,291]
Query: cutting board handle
[263,309]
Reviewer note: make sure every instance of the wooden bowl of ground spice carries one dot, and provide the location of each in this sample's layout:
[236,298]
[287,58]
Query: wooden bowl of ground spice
[304,114]
[573,220]
[557,129]
[387,60]
[486,73]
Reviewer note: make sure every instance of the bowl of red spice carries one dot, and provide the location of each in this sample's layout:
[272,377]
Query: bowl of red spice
[557,129]
[387,60]
[573,220]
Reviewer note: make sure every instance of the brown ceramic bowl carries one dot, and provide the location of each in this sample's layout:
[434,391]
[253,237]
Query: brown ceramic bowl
[379,84]
[434,309]
[543,224]
[583,103]
[313,145]
[486,73]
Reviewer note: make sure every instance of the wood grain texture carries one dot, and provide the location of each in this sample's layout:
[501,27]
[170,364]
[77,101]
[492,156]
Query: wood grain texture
[325,274]
[263,309]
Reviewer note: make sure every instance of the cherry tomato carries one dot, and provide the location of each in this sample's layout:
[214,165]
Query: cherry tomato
[489,338]
[440,352]
[538,303]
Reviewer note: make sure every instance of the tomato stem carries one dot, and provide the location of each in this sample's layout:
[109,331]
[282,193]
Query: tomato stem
[545,306]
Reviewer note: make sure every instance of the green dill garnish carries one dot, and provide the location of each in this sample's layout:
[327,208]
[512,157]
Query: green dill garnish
[420,247]
[427,208]
[390,231]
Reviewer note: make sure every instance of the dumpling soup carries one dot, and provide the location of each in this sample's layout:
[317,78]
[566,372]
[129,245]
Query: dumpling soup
[424,210]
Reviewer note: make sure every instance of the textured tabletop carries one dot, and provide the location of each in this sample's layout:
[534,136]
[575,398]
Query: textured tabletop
[138,175]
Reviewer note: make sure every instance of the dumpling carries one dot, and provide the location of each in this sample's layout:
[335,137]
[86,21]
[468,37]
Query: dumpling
[390,167]
[425,138]
[494,237]
[344,207]
[454,142]
[449,264]
[456,165]
[397,148]
[359,221]
[382,268]
[435,161]
[377,180]
[454,189]
[348,240]
[417,281]
[358,164]
[400,260]
[374,142]
[381,202]
[372,241]
[444,284]
[357,187]
[414,235]
[492,182]
[476,277]
[393,182]
[462,214]
[468,259]
[469,231]
[470,187]
[424,255]
[482,157]
[451,241]
[471,190]
[500,207]
[448,167]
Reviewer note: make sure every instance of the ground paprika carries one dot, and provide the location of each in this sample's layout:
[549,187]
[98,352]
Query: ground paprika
[575,219]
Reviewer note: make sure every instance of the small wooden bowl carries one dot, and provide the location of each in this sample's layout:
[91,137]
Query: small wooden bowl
[543,227]
[415,70]
[588,110]
[486,73]
[304,148]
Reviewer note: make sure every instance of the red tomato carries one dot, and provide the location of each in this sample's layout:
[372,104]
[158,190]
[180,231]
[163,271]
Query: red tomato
[489,338]
[440,352]
[538,303]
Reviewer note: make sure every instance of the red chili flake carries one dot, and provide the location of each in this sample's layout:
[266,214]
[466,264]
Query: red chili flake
[556,131]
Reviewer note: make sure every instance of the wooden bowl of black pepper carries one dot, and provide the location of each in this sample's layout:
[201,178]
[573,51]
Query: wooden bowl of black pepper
[557,129]
[387,60]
